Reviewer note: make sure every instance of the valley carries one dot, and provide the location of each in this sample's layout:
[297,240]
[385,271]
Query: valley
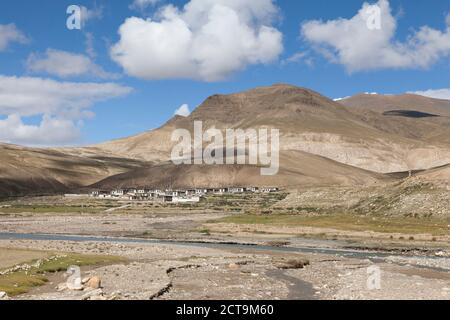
[363,183]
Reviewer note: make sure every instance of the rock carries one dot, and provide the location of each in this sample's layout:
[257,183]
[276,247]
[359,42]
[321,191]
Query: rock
[92,294]
[3,295]
[233,266]
[85,280]
[77,286]
[94,283]
[292,264]
[441,254]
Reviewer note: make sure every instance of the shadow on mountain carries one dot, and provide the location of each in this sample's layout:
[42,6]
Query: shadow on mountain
[409,114]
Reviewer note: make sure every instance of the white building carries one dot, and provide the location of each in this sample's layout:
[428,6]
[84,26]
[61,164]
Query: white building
[118,193]
[269,189]
[185,199]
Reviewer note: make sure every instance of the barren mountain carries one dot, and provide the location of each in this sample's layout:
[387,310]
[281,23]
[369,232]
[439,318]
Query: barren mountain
[297,169]
[27,170]
[322,142]
[440,175]
[381,103]
[308,122]
[406,115]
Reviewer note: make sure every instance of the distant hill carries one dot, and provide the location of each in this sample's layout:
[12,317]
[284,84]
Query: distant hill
[408,115]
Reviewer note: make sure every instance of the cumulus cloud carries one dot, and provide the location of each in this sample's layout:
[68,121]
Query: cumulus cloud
[10,34]
[142,4]
[62,106]
[65,64]
[50,131]
[206,40]
[357,46]
[183,111]
[437,94]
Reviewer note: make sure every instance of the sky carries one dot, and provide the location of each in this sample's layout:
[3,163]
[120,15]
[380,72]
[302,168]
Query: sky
[130,65]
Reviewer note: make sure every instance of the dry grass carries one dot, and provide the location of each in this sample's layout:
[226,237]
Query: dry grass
[348,222]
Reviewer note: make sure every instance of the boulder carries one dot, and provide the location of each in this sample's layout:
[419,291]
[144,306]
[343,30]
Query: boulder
[76,286]
[94,283]
[291,264]
[3,295]
[92,294]
[85,280]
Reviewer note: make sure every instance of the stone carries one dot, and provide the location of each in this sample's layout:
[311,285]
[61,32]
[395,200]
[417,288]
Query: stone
[85,280]
[77,286]
[92,294]
[292,264]
[94,283]
[3,295]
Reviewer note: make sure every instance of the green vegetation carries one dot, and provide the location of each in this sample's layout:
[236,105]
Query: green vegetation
[349,222]
[205,231]
[19,282]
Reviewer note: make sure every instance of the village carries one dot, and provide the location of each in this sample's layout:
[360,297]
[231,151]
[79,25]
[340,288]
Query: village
[174,196]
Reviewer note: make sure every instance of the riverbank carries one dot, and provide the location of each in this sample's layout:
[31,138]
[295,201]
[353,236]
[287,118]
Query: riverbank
[174,271]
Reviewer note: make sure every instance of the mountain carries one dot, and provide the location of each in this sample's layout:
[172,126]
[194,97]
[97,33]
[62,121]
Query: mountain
[298,169]
[308,122]
[440,175]
[381,103]
[32,171]
[322,142]
[408,115]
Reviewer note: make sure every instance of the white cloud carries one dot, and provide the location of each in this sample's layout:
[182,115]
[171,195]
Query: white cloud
[62,105]
[352,43]
[296,57]
[299,57]
[207,40]
[50,131]
[89,43]
[65,64]
[183,111]
[437,94]
[142,4]
[10,34]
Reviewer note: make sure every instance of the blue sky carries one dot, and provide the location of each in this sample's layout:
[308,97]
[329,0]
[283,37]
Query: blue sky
[114,95]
